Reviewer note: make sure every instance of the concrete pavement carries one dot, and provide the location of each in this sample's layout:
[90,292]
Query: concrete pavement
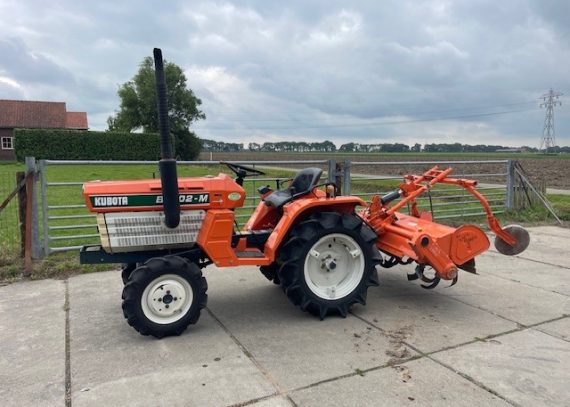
[498,338]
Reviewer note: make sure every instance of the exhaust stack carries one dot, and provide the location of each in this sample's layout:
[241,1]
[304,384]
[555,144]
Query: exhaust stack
[167,164]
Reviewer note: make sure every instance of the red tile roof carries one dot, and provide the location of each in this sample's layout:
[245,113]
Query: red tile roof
[32,114]
[76,120]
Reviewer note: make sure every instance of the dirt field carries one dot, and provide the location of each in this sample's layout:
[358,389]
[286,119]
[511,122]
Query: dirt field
[554,170]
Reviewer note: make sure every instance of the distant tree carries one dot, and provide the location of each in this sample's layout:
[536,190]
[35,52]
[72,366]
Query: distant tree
[138,109]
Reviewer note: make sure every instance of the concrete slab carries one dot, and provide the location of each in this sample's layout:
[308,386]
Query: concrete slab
[551,278]
[517,302]
[548,248]
[560,328]
[32,334]
[274,402]
[417,383]
[555,231]
[426,320]
[112,364]
[528,367]
[294,347]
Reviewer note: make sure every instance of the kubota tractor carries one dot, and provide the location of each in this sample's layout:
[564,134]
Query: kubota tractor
[323,249]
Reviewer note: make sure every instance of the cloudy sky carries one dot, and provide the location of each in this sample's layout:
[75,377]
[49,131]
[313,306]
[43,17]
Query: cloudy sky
[370,71]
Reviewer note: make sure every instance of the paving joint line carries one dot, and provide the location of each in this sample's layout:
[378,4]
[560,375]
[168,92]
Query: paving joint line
[481,309]
[268,376]
[533,260]
[528,285]
[360,372]
[67,347]
[473,381]
[537,326]
[428,355]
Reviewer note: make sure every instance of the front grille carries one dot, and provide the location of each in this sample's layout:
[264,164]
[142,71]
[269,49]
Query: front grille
[136,231]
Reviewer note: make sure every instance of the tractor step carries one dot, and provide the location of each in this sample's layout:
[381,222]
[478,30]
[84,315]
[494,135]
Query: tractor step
[249,255]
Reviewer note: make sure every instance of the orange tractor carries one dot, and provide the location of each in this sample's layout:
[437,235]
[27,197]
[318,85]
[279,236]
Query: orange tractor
[323,249]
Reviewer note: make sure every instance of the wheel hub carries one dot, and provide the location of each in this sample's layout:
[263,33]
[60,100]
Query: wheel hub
[334,266]
[167,299]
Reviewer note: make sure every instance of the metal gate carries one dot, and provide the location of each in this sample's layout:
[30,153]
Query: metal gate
[66,225]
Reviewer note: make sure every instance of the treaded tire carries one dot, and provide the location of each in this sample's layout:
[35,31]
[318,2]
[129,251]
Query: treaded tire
[147,274]
[126,271]
[301,240]
[271,272]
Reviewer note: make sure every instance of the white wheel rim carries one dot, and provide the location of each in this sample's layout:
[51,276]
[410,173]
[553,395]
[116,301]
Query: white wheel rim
[167,299]
[334,266]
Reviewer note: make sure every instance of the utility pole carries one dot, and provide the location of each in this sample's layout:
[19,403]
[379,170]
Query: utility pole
[550,100]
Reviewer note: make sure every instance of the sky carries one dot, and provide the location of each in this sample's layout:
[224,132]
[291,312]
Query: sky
[407,71]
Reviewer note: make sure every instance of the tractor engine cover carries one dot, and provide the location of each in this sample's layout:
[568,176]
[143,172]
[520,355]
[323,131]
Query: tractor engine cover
[130,213]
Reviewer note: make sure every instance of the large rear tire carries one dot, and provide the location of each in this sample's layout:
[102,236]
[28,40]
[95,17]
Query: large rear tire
[328,263]
[164,296]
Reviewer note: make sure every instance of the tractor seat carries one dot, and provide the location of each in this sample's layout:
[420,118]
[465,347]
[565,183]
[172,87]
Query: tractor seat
[302,184]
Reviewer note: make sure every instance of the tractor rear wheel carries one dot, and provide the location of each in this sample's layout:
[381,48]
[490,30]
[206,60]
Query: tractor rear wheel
[164,296]
[271,272]
[328,263]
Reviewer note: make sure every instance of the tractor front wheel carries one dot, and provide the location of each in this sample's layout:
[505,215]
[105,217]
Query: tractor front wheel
[329,262]
[164,296]
[126,271]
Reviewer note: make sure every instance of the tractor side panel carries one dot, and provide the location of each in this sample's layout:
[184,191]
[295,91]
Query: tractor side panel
[300,209]
[215,237]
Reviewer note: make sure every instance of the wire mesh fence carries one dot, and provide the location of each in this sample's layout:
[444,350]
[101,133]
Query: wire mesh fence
[9,220]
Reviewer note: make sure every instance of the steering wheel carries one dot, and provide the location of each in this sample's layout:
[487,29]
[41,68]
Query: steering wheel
[242,171]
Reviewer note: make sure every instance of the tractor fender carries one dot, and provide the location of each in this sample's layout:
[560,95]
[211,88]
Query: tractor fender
[300,209]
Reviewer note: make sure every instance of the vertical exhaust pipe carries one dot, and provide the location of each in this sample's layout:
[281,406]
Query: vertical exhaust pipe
[167,164]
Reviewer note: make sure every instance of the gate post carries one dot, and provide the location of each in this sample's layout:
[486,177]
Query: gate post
[45,222]
[346,178]
[510,197]
[331,171]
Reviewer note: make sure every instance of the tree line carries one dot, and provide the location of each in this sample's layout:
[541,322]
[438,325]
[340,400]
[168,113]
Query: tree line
[328,146]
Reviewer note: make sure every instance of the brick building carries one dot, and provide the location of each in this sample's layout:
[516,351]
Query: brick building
[24,114]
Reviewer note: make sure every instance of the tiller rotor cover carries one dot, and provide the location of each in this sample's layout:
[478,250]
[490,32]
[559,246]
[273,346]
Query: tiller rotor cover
[415,236]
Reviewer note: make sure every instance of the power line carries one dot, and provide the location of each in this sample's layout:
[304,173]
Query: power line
[370,124]
[222,117]
[549,100]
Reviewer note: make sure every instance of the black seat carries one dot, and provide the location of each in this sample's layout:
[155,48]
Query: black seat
[302,184]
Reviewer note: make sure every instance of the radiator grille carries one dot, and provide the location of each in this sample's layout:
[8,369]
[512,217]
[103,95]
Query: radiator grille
[135,231]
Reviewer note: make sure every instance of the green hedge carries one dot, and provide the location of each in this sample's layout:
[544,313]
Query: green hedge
[85,145]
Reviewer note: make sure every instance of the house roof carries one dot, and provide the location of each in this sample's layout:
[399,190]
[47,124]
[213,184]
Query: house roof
[45,115]
[76,120]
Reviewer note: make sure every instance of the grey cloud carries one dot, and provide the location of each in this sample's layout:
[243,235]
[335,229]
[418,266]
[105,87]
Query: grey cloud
[294,68]
[21,64]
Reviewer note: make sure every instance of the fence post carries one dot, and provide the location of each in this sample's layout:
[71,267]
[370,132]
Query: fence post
[346,178]
[31,168]
[45,215]
[510,197]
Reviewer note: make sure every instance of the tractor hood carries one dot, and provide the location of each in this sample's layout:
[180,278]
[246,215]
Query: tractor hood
[220,192]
